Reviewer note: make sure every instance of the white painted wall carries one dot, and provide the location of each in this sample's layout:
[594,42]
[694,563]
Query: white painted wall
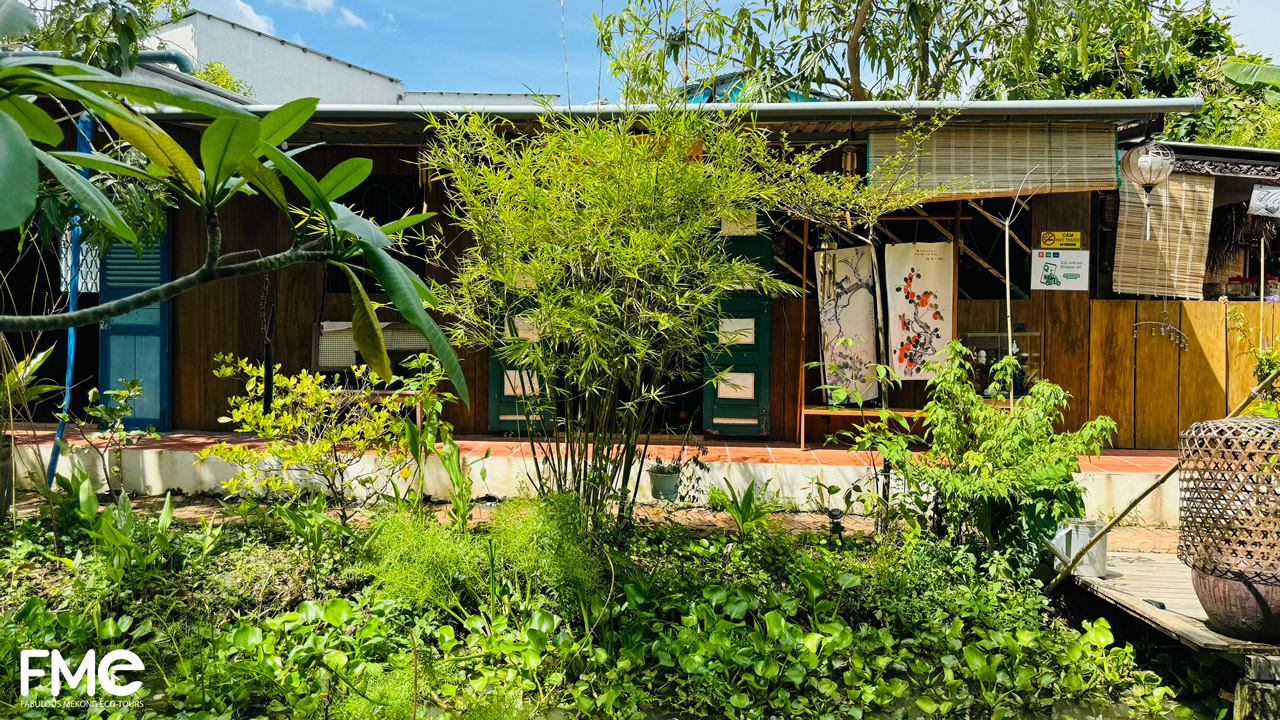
[278,70]
[153,472]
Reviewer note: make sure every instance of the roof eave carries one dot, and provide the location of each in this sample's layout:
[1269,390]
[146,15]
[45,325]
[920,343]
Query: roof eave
[1116,110]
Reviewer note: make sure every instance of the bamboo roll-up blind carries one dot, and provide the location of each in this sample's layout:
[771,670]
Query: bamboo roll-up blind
[1172,263]
[996,159]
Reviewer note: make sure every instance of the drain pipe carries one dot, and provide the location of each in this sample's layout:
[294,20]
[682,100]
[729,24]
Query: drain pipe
[177,58]
[84,144]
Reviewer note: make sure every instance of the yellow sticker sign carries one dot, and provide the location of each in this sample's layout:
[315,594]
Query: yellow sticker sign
[1060,240]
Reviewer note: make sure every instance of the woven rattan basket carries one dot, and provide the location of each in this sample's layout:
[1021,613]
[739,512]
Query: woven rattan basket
[1230,522]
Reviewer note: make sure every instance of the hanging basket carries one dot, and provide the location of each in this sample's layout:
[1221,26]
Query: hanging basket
[1230,522]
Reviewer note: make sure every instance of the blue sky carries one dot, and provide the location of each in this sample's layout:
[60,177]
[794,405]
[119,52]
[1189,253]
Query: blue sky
[449,45]
[512,45]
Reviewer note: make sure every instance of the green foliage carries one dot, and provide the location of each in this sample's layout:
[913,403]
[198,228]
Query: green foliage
[748,510]
[22,387]
[532,544]
[142,203]
[597,272]
[529,617]
[849,49]
[218,74]
[290,666]
[104,33]
[108,412]
[1002,474]
[320,434]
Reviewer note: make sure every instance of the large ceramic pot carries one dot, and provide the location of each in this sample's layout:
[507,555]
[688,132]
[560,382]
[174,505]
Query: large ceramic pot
[1239,607]
[664,486]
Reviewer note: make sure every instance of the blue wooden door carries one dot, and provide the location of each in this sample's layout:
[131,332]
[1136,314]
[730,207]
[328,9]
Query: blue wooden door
[136,345]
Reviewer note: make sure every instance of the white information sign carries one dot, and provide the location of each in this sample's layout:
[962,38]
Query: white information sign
[1060,270]
[1265,201]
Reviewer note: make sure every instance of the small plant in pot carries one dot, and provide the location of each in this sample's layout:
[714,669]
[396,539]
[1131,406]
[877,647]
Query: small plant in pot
[665,475]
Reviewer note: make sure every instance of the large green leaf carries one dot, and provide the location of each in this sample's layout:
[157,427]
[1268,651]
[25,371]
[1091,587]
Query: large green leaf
[35,122]
[16,20]
[395,279]
[19,174]
[153,93]
[160,149]
[301,179]
[365,329]
[108,164]
[265,181]
[285,120]
[345,177]
[87,195]
[349,222]
[1248,75]
[34,80]
[406,222]
[225,143]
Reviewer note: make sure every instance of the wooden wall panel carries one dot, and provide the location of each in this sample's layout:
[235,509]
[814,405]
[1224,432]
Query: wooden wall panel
[1240,362]
[978,316]
[216,318]
[1202,381]
[1156,375]
[785,358]
[1111,365]
[1066,350]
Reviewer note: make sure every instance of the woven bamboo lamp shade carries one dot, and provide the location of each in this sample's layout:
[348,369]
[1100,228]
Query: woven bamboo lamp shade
[1229,512]
[1172,262]
[1003,159]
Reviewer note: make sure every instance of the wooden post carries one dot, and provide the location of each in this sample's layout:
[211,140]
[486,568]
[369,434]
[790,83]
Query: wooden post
[804,316]
[1258,692]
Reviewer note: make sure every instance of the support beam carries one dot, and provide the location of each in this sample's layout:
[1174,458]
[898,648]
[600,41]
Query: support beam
[1000,224]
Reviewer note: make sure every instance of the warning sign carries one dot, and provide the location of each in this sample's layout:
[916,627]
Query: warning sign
[1060,240]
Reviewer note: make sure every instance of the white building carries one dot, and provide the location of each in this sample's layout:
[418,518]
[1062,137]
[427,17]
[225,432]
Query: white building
[279,70]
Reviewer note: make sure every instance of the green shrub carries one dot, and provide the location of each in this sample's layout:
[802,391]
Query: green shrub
[538,544]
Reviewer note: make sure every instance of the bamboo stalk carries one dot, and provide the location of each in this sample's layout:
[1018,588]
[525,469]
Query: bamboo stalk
[1066,570]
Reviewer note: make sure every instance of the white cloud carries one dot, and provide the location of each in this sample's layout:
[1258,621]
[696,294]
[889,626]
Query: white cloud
[237,11]
[315,6]
[348,18]
[390,22]
[297,38]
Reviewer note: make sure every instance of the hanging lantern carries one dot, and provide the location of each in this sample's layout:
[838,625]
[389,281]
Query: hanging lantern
[1147,166]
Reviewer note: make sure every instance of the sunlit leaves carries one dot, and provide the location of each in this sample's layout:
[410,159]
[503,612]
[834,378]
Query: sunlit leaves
[365,328]
[225,144]
[282,122]
[345,177]
[87,195]
[18,165]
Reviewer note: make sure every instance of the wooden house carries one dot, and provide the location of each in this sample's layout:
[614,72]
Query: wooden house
[1049,168]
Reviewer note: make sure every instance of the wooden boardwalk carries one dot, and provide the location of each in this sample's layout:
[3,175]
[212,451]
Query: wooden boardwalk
[1133,579]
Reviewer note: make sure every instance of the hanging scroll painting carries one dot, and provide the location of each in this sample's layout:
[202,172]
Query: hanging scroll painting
[921,280]
[847,315]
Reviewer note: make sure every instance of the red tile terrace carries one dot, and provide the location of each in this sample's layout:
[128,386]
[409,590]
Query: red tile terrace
[775,453]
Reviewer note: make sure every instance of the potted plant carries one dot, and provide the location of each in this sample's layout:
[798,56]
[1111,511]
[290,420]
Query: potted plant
[20,389]
[664,475]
